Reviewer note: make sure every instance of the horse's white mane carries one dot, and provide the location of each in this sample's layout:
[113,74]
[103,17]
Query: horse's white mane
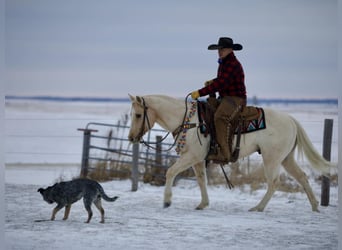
[162,99]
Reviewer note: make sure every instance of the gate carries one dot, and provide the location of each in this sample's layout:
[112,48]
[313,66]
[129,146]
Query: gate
[107,152]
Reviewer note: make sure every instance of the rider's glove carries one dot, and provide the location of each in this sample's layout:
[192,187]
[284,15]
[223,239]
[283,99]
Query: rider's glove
[195,94]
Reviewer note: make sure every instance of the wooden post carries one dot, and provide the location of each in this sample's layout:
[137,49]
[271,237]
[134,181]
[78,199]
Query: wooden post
[135,164]
[85,151]
[159,171]
[158,151]
[327,139]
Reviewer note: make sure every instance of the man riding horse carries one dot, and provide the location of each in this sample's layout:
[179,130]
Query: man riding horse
[230,84]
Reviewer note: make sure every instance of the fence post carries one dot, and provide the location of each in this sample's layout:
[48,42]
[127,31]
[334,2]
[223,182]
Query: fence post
[158,171]
[85,151]
[327,139]
[135,163]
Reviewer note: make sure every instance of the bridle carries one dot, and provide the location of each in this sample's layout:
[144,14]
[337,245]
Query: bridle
[147,120]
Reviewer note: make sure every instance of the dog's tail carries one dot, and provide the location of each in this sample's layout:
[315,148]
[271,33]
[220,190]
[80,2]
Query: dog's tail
[104,196]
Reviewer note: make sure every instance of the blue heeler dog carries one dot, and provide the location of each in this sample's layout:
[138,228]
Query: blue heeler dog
[67,193]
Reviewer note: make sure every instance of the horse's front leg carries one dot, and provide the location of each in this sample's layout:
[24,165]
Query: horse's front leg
[180,165]
[201,176]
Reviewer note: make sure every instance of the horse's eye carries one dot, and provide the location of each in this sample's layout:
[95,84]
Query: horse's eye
[138,116]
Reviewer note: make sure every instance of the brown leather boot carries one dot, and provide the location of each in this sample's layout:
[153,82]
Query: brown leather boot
[224,117]
[218,158]
[223,153]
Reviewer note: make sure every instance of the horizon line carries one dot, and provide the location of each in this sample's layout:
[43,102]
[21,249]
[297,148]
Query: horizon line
[253,99]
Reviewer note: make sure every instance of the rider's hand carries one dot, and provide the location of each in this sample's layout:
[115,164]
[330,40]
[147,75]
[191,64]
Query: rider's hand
[207,83]
[195,94]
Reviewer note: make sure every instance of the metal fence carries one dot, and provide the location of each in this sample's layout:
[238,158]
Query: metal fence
[106,148]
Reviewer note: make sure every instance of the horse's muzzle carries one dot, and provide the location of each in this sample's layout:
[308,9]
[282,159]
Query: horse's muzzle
[133,139]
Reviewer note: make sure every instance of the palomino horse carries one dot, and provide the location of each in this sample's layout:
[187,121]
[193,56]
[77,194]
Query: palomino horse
[276,143]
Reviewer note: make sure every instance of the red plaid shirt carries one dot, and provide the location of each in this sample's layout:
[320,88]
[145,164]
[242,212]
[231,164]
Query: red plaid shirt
[230,79]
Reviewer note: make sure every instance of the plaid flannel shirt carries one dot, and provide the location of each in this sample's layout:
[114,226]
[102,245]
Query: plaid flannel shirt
[230,79]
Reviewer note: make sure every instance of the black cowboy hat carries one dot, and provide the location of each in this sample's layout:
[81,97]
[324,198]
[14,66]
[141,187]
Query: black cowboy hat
[225,42]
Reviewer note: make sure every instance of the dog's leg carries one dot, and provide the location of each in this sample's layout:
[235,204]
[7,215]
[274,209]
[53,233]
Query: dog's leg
[98,204]
[87,205]
[55,210]
[67,211]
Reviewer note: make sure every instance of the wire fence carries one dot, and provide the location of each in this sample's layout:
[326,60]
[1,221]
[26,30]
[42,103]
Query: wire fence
[43,145]
[107,153]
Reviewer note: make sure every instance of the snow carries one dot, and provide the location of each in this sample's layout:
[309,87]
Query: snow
[137,220]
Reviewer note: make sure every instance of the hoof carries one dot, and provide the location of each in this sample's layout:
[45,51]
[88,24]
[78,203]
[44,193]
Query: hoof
[201,206]
[255,209]
[167,204]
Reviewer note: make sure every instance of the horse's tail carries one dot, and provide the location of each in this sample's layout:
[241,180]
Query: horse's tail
[304,145]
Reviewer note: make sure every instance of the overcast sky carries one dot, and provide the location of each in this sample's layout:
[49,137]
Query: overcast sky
[111,48]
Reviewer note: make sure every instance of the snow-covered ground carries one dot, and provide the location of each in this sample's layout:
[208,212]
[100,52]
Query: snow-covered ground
[137,220]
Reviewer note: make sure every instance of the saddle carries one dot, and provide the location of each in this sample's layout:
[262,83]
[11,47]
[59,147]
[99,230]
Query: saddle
[248,120]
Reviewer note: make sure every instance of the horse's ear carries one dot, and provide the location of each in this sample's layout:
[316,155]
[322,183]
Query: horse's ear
[131,97]
[135,99]
[138,99]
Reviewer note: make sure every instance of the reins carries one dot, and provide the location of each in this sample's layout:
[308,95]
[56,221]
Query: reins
[175,133]
[182,128]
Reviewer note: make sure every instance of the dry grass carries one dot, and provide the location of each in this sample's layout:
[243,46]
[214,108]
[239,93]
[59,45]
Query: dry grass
[238,175]
[107,171]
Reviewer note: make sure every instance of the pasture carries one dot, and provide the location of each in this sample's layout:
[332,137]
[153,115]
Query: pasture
[43,146]
[137,220]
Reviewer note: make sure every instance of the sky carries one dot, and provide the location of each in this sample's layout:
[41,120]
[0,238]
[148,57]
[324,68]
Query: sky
[111,48]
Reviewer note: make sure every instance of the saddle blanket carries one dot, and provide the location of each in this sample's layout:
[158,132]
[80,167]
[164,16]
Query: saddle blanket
[255,124]
[253,118]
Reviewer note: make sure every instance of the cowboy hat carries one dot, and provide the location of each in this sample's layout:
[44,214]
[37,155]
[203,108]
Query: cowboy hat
[225,42]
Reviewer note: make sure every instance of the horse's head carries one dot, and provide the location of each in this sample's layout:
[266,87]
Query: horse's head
[142,119]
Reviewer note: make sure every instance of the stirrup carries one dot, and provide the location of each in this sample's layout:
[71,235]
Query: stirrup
[216,159]
[213,150]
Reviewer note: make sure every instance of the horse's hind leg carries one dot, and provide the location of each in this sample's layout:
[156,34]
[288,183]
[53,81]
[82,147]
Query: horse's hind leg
[271,170]
[201,176]
[294,170]
[271,188]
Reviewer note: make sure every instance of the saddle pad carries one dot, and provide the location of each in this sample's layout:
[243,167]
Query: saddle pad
[256,124]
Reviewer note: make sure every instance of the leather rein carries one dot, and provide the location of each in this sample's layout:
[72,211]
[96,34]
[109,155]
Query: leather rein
[174,133]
